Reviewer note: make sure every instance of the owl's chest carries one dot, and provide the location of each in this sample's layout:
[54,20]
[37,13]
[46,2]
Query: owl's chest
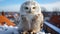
[27,20]
[29,17]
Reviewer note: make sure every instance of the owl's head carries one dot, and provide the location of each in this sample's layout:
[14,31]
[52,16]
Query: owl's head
[30,7]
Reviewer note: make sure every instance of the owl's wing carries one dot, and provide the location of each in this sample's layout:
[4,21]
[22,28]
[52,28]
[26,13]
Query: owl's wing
[42,21]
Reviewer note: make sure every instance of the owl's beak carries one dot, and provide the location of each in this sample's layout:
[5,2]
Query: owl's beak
[29,11]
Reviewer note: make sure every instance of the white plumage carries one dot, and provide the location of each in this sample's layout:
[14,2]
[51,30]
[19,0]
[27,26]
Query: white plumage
[31,18]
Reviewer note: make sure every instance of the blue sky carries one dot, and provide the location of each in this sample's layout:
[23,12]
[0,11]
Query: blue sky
[9,3]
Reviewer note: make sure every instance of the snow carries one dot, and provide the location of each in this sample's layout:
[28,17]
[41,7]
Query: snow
[41,33]
[8,29]
[11,30]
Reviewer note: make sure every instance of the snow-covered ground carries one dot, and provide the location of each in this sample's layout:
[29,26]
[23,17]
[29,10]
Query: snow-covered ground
[11,30]
[8,29]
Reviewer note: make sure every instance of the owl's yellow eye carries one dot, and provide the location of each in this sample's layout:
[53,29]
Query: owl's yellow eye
[26,7]
[34,7]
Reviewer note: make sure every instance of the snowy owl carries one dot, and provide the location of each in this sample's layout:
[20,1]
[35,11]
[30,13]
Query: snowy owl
[31,18]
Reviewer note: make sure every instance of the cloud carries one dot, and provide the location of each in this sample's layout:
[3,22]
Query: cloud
[50,6]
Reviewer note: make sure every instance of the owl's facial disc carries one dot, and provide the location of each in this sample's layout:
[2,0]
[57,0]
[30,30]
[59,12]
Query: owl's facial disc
[30,7]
